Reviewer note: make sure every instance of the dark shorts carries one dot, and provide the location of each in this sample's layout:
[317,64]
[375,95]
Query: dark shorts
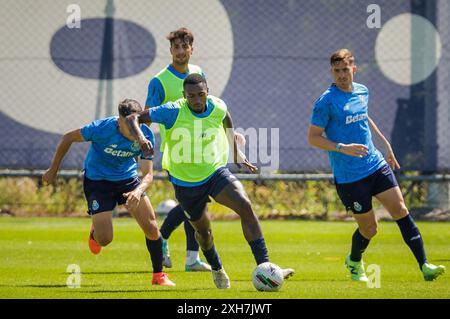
[103,195]
[193,200]
[357,196]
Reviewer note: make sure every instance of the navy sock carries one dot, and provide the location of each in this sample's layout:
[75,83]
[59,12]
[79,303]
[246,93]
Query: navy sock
[154,247]
[413,238]
[191,242]
[174,219]
[212,257]
[259,250]
[359,245]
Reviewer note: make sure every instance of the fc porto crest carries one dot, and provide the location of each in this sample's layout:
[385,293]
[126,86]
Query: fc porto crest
[357,206]
[95,205]
[135,146]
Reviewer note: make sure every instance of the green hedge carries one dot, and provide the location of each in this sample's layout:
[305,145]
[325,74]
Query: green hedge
[312,199]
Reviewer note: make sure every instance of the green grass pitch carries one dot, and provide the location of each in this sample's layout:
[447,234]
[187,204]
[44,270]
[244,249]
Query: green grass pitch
[35,253]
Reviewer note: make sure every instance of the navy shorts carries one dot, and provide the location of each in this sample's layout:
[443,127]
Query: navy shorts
[103,195]
[193,200]
[357,196]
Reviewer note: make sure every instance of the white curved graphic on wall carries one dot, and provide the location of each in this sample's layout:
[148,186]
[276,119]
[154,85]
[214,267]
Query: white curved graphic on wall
[37,93]
[408,49]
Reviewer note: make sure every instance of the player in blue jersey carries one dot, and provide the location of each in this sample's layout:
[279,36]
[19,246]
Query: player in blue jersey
[360,170]
[167,86]
[199,131]
[111,178]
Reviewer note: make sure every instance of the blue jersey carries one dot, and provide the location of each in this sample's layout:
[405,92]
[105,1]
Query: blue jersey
[166,115]
[112,156]
[344,116]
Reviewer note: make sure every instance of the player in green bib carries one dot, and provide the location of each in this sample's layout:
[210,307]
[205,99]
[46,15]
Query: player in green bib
[199,133]
[167,86]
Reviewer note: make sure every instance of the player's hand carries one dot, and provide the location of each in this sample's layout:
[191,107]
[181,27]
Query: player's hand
[392,161]
[357,150]
[49,176]
[146,147]
[133,199]
[252,168]
[241,159]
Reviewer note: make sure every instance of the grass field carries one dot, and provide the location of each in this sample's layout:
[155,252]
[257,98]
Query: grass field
[35,253]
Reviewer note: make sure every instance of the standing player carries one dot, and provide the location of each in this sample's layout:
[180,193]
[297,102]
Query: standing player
[111,178]
[199,131]
[167,86]
[359,169]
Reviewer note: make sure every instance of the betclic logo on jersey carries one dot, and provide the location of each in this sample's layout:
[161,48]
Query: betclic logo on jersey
[355,118]
[119,153]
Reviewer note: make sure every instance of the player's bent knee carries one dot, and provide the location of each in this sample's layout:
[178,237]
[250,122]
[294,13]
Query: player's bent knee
[401,212]
[369,232]
[204,234]
[204,238]
[154,234]
[152,231]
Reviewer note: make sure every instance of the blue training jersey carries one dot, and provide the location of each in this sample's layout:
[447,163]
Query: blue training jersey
[344,116]
[112,156]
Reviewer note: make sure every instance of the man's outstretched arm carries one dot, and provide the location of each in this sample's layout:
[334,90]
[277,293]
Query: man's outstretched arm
[238,157]
[133,122]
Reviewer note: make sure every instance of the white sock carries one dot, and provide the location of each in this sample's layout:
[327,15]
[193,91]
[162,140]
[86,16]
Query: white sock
[191,257]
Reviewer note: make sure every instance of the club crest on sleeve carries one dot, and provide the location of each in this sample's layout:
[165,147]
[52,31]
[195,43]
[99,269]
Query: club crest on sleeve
[135,146]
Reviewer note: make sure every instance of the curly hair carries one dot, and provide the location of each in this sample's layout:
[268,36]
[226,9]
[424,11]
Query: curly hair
[184,34]
[128,106]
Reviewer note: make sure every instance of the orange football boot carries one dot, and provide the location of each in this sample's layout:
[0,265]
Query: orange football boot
[161,278]
[94,247]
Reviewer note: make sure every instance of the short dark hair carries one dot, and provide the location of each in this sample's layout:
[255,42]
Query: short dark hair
[342,55]
[194,78]
[129,106]
[184,34]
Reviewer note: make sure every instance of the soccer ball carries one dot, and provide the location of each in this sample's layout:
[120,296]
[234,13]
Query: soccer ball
[267,277]
[165,206]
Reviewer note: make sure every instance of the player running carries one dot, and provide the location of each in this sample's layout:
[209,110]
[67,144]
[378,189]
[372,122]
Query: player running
[359,169]
[199,130]
[167,86]
[111,178]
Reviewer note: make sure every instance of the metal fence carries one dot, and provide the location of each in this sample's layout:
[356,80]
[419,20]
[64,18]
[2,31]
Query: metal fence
[66,63]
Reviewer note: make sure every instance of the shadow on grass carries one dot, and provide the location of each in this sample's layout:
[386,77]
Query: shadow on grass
[121,272]
[42,286]
[293,279]
[141,290]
